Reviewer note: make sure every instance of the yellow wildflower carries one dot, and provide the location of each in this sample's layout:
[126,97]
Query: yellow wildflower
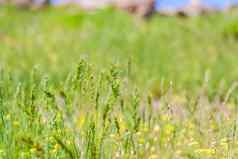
[141,140]
[117,155]
[178,152]
[145,129]
[81,121]
[194,143]
[169,129]
[138,134]
[224,145]
[8,117]
[33,150]
[68,142]
[152,149]
[206,151]
[16,123]
[113,136]
[154,156]
[156,128]
[165,117]
[156,139]
[190,125]
[56,148]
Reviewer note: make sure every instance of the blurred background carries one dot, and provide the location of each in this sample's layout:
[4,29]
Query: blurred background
[179,41]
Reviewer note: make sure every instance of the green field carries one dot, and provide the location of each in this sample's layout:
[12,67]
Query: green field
[105,84]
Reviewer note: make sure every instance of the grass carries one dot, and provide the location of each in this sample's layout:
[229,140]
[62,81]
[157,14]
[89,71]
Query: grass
[107,85]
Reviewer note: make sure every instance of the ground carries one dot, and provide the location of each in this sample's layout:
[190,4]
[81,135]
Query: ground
[108,85]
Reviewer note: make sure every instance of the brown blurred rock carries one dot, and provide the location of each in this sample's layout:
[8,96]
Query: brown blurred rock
[26,4]
[192,9]
[21,3]
[3,1]
[139,7]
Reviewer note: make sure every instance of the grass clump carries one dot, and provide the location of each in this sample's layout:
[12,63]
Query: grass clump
[93,114]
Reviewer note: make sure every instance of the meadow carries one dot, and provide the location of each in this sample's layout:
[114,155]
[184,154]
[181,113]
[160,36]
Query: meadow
[105,84]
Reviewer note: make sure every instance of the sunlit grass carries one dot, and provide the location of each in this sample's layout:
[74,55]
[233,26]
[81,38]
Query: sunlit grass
[93,114]
[106,85]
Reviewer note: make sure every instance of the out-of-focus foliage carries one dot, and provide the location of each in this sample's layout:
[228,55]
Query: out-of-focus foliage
[231,29]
